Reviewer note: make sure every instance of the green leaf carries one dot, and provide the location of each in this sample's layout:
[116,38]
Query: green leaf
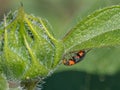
[42,46]
[100,29]
[14,55]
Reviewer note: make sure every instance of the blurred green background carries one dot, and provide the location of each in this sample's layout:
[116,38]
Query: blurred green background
[100,70]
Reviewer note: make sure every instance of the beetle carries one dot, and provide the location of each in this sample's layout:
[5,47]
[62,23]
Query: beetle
[74,59]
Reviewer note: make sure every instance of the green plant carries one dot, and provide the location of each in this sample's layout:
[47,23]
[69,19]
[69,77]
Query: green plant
[29,52]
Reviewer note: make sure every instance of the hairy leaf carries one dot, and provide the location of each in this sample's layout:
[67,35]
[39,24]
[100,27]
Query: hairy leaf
[99,29]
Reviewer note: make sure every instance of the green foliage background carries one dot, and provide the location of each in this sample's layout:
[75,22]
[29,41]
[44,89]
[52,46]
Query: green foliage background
[101,66]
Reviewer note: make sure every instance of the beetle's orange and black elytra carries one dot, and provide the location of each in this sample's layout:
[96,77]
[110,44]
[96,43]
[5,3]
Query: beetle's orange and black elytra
[77,57]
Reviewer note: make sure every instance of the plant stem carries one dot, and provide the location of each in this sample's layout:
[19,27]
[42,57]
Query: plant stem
[29,84]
